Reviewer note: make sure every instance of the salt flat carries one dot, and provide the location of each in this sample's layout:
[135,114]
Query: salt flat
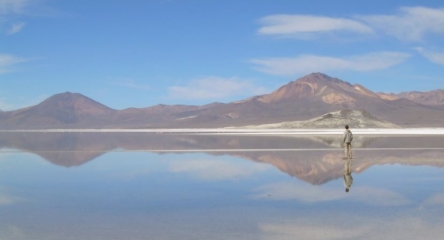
[360,131]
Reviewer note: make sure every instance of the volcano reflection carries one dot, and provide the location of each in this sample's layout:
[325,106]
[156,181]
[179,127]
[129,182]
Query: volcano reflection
[313,159]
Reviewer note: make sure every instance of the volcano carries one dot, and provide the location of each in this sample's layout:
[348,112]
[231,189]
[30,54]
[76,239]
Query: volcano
[306,98]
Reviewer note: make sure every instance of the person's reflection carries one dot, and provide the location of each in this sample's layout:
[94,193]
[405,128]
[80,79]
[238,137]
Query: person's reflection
[348,179]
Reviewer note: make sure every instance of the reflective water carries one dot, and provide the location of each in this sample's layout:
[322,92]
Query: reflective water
[148,186]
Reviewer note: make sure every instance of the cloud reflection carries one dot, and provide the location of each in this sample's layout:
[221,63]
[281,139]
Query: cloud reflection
[407,227]
[437,199]
[304,231]
[380,197]
[12,232]
[314,194]
[216,170]
[6,199]
[294,191]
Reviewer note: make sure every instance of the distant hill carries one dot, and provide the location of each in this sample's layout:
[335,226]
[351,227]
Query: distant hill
[62,109]
[306,98]
[354,118]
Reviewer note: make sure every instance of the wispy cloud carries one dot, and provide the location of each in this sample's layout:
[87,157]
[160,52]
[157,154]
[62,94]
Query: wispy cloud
[313,63]
[215,88]
[20,102]
[13,6]
[7,60]
[301,25]
[5,106]
[435,57]
[13,11]
[410,23]
[16,28]
[132,84]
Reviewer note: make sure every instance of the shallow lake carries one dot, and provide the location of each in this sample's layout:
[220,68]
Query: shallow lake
[179,186]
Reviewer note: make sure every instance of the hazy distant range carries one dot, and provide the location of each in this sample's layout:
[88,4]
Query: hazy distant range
[313,101]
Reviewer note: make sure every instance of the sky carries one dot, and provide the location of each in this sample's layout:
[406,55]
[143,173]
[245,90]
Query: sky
[140,53]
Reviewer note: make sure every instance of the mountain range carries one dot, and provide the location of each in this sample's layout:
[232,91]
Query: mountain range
[306,98]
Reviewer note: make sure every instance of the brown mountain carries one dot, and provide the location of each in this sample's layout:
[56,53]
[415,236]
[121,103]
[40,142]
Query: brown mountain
[433,98]
[62,109]
[306,98]
[312,96]
[318,86]
[3,115]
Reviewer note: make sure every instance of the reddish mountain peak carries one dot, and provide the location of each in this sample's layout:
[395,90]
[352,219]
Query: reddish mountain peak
[320,78]
[318,85]
[67,96]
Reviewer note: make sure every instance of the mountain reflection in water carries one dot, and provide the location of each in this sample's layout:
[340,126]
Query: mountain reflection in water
[149,186]
[313,159]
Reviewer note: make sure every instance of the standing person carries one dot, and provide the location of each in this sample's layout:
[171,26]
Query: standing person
[348,138]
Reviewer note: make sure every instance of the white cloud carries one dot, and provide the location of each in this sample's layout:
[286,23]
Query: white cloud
[16,28]
[132,84]
[312,63]
[7,60]
[435,57]
[216,170]
[300,25]
[411,23]
[215,88]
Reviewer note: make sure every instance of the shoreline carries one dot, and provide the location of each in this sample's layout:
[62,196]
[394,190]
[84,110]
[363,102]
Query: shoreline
[244,131]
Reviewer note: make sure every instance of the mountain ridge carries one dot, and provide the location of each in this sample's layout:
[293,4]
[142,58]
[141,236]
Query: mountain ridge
[433,97]
[305,98]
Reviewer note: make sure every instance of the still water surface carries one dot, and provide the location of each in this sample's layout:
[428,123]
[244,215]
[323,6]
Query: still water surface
[148,186]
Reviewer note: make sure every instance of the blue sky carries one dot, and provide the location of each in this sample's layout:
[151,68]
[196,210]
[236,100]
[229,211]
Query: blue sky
[142,53]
